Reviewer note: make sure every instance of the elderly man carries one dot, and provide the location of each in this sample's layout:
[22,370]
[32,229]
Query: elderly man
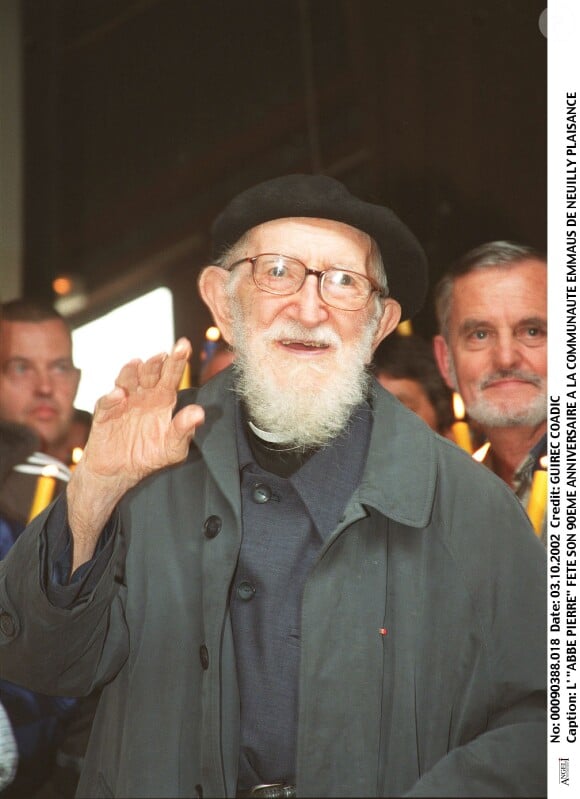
[492,348]
[286,578]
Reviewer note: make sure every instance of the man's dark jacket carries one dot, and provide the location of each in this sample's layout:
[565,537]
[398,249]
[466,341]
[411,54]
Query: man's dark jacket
[423,629]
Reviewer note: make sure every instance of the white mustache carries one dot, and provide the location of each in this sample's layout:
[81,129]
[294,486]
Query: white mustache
[514,374]
[294,331]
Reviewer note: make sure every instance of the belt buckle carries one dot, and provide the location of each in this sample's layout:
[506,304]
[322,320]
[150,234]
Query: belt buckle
[273,790]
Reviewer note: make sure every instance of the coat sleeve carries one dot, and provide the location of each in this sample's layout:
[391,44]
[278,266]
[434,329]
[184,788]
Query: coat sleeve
[64,651]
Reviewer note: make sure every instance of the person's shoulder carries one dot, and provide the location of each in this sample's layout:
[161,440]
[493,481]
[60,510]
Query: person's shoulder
[16,444]
[463,488]
[480,517]
[461,466]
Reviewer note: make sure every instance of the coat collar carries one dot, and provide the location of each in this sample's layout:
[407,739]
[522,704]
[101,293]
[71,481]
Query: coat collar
[216,437]
[401,468]
[400,474]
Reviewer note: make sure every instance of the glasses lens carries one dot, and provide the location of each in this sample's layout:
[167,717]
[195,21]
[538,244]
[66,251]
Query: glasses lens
[278,274]
[343,289]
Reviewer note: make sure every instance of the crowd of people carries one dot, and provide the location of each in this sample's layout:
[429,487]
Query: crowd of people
[289,581]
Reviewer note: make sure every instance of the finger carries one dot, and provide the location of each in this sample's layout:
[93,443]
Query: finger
[110,400]
[150,371]
[187,420]
[128,377]
[174,364]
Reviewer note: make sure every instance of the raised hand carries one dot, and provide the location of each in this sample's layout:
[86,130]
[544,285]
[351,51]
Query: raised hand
[133,434]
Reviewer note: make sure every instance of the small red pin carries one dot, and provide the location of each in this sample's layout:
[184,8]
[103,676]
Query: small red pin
[383,631]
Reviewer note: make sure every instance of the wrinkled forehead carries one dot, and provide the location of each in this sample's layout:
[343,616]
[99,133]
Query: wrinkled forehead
[290,235]
[501,289]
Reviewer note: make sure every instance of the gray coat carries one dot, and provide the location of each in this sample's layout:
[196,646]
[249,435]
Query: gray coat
[432,549]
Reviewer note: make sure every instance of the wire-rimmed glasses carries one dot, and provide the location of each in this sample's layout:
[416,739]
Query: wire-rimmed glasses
[340,288]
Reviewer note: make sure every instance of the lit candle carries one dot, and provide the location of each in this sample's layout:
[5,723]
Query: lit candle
[460,428]
[538,496]
[185,381]
[44,491]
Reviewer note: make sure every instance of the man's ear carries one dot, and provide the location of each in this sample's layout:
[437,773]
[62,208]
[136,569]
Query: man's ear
[212,288]
[388,322]
[443,358]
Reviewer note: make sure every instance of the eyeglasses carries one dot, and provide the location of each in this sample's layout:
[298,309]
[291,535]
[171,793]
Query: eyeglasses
[339,288]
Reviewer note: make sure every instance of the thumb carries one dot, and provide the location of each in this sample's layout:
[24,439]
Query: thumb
[187,420]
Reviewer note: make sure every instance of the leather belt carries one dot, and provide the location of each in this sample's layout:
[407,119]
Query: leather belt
[269,790]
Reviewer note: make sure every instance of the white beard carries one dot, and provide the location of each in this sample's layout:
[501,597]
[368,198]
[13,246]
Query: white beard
[303,403]
[490,414]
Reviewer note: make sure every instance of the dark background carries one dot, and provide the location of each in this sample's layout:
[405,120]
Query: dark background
[143,117]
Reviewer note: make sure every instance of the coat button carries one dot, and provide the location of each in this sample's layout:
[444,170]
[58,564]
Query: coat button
[204,657]
[261,493]
[246,591]
[212,526]
[7,625]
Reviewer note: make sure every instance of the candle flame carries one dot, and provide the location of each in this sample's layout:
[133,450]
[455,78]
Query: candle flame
[77,454]
[50,471]
[479,454]
[458,406]
[544,462]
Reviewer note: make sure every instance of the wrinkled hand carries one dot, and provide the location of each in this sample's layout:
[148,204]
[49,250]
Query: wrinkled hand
[133,434]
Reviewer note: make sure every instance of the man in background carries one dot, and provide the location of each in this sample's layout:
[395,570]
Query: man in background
[38,379]
[492,348]
[38,426]
[38,385]
[220,359]
[405,366]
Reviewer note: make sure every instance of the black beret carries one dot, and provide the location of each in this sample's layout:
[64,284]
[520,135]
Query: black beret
[323,197]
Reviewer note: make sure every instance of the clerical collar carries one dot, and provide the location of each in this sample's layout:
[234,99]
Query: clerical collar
[269,438]
[285,460]
[279,458]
